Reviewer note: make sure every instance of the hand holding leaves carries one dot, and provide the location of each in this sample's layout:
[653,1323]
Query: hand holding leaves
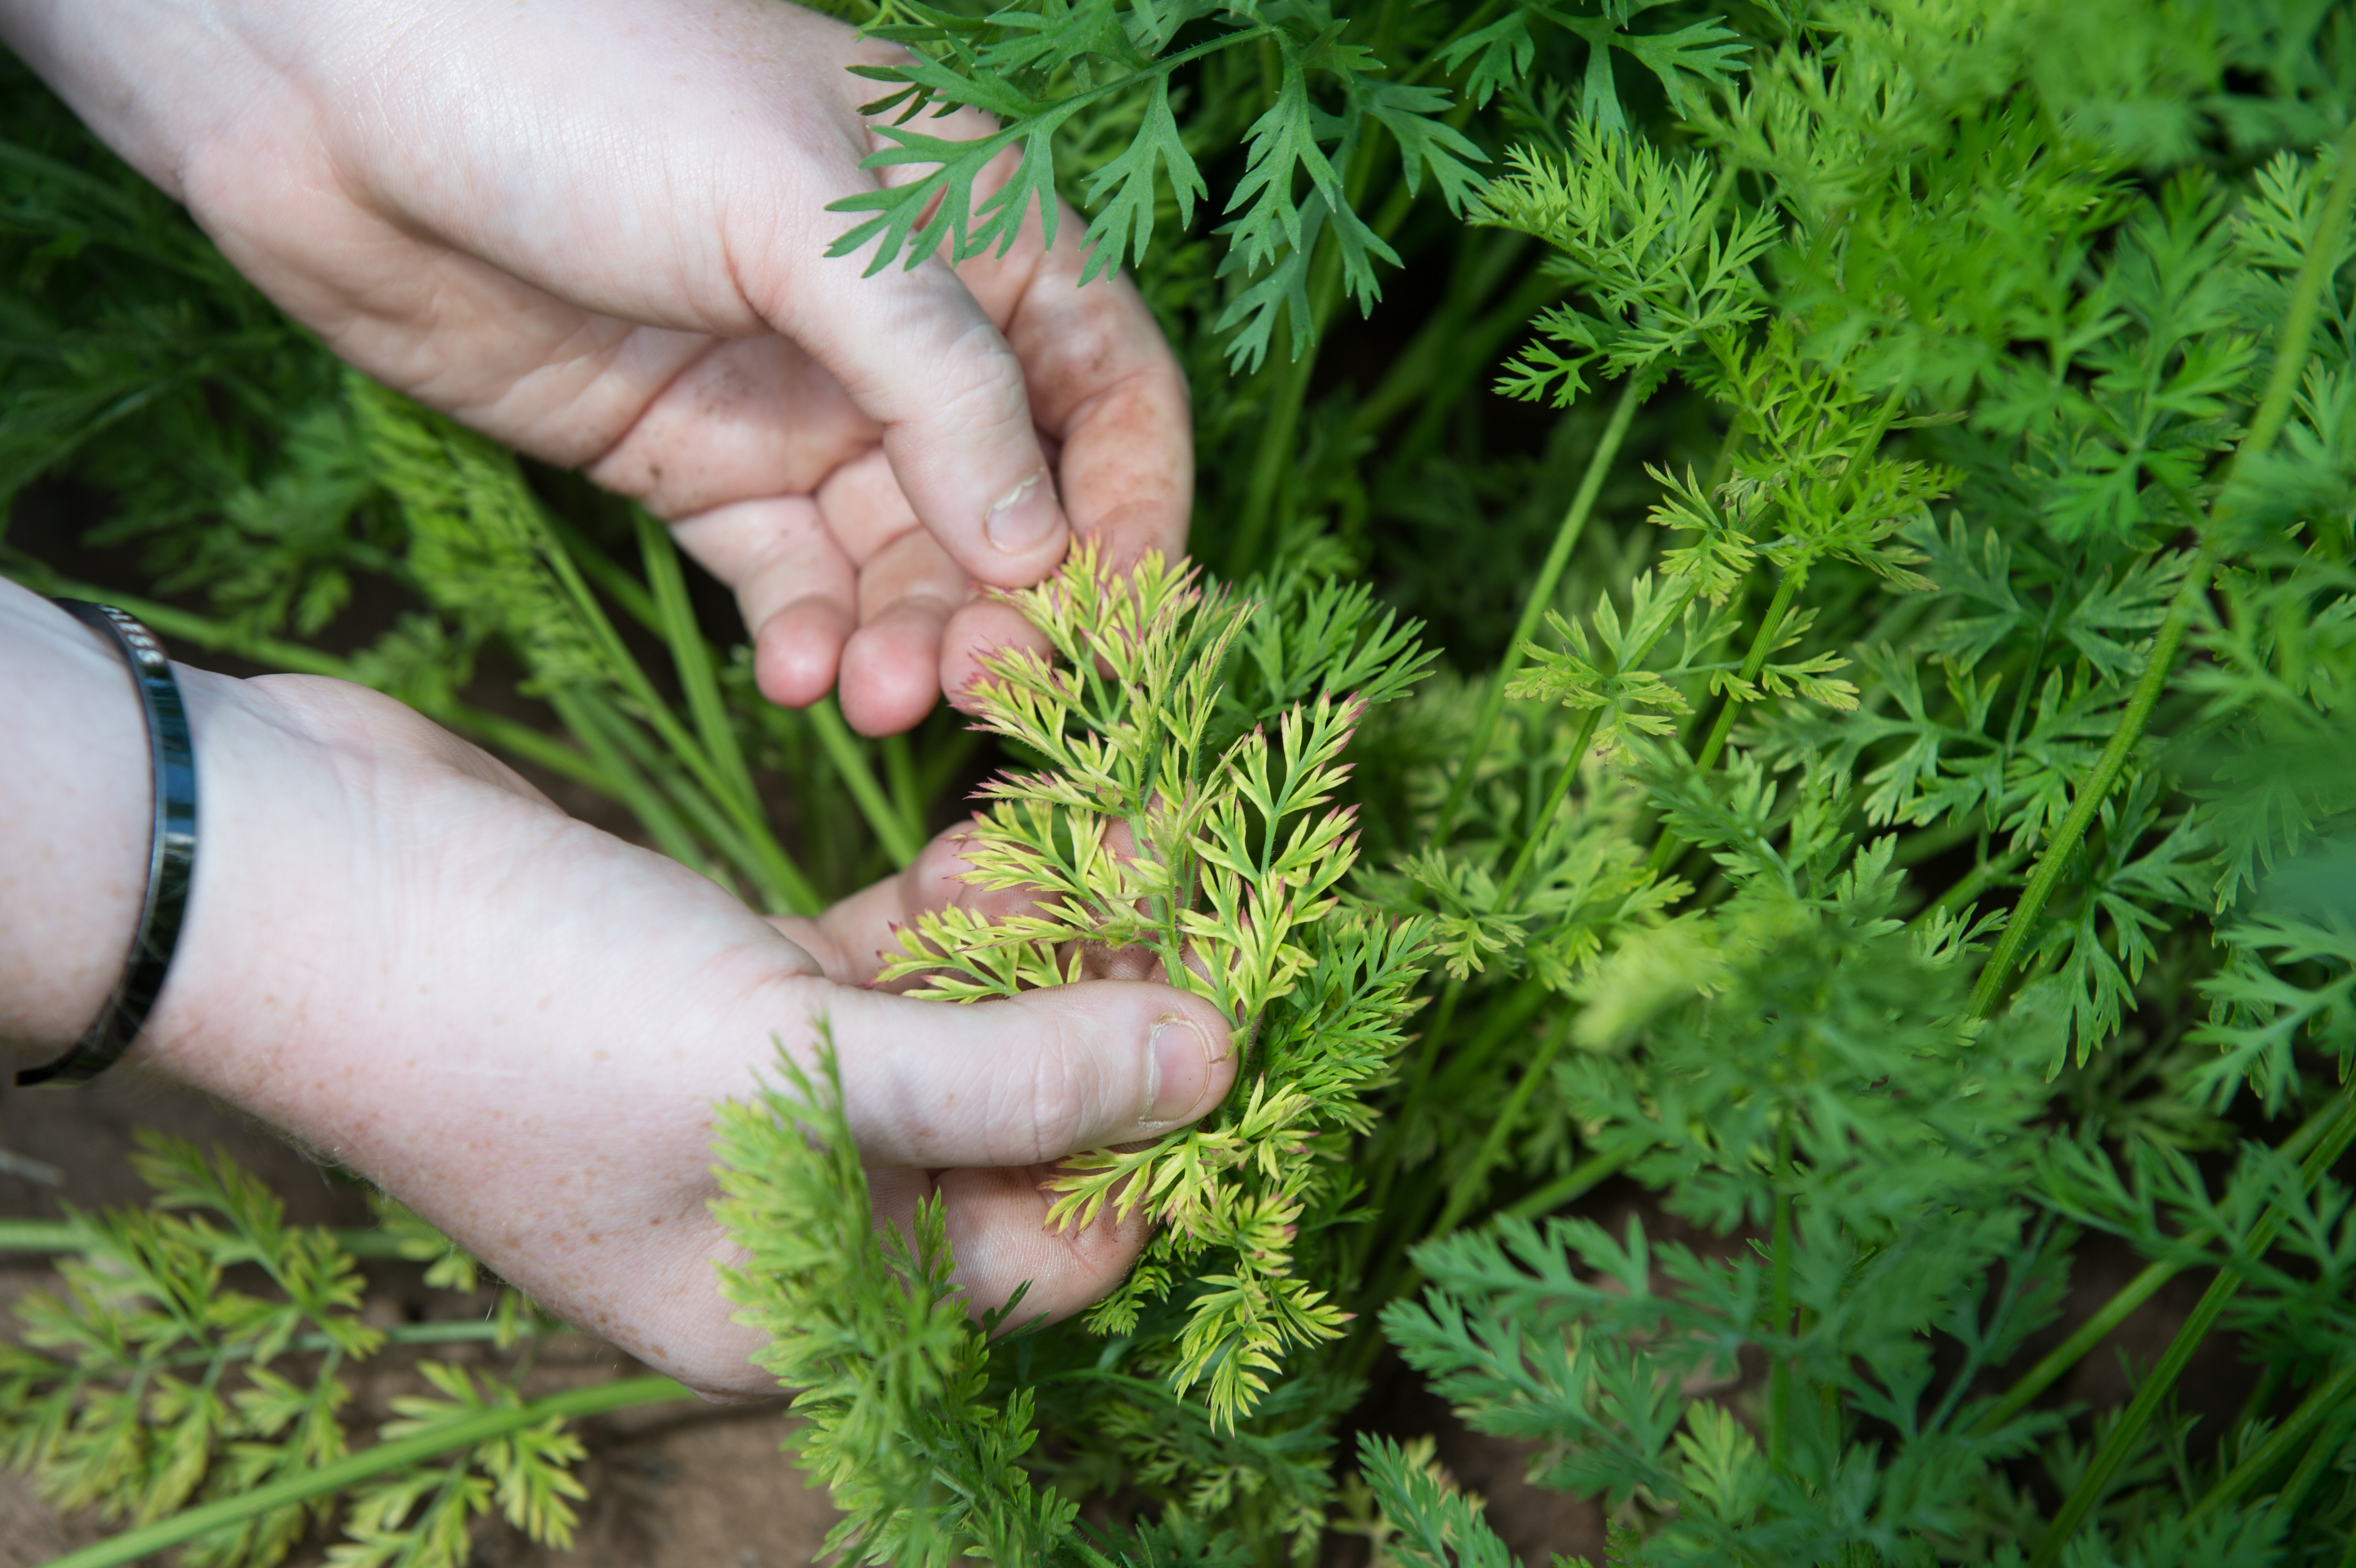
[1164,826]
[850,455]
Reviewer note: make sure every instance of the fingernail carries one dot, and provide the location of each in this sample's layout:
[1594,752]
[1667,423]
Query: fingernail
[1183,1058]
[1021,521]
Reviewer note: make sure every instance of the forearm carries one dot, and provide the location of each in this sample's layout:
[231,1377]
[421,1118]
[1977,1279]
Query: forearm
[397,953]
[77,818]
[151,77]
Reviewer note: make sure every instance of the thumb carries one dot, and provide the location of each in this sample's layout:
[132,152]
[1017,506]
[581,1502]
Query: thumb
[918,355]
[1025,1080]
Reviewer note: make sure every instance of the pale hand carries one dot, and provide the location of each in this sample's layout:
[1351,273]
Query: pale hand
[397,951]
[596,230]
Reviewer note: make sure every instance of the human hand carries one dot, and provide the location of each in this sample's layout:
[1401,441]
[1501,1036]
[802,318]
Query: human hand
[596,229]
[398,952]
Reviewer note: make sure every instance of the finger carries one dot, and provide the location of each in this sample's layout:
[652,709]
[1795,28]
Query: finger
[749,417]
[1020,1081]
[794,586]
[979,627]
[918,355]
[866,510]
[852,937]
[1113,411]
[998,1235]
[891,667]
[1106,390]
[908,589]
[797,652]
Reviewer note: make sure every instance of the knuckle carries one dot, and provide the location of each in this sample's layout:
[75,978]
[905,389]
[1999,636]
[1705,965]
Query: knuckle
[983,385]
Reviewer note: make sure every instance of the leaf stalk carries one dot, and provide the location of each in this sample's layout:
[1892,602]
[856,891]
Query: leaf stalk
[1541,596]
[2338,1133]
[374,1460]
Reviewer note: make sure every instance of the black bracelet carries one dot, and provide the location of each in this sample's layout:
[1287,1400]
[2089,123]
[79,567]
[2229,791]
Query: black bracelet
[171,855]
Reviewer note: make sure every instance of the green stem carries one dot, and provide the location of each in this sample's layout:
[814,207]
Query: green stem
[1392,1150]
[584,713]
[2299,1145]
[2072,1350]
[1771,626]
[908,797]
[945,758]
[1452,348]
[890,824]
[68,1236]
[1763,644]
[2328,1399]
[761,857]
[2320,1453]
[1518,1008]
[471,1331]
[1467,1188]
[1389,1157]
[613,579]
[399,1454]
[2340,1132]
[1541,596]
[1976,882]
[1271,463]
[691,658]
[1779,1311]
[2091,1487]
[2261,1397]
[1472,353]
[1928,842]
[2098,785]
[709,817]
[1580,1179]
[39,1236]
[2274,413]
[1527,855]
[522,741]
[1288,394]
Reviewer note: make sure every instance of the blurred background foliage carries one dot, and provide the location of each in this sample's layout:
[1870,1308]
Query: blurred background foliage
[1878,480]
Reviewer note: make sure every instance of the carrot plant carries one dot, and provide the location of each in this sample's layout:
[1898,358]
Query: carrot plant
[1875,482]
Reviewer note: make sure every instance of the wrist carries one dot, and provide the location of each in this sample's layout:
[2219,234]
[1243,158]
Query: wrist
[517,1024]
[155,80]
[77,794]
[261,928]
